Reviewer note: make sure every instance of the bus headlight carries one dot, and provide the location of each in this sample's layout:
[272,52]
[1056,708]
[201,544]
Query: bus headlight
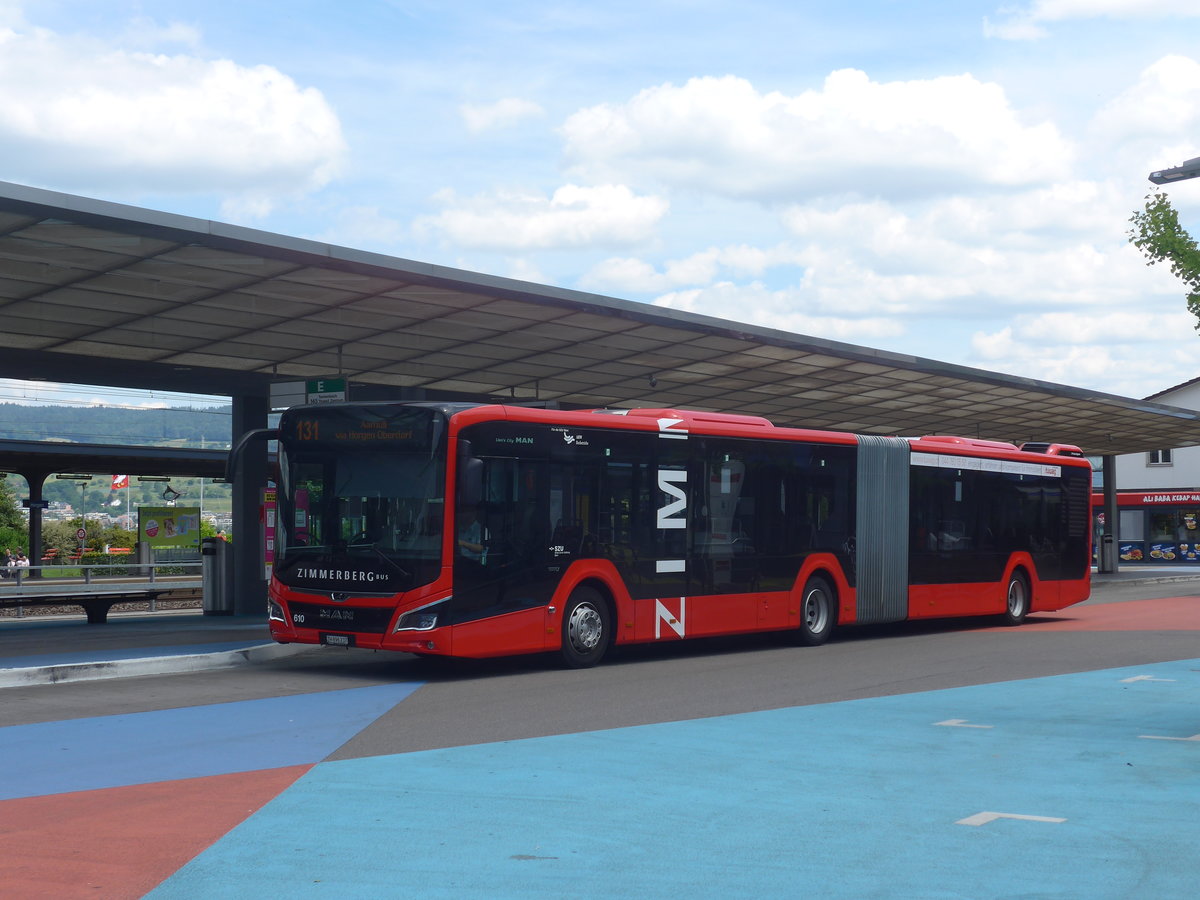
[423,619]
[275,612]
[420,621]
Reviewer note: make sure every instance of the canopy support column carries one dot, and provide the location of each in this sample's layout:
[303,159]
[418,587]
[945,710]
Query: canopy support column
[1106,556]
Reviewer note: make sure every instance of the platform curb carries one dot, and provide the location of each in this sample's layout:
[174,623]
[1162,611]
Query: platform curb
[150,665]
[1103,581]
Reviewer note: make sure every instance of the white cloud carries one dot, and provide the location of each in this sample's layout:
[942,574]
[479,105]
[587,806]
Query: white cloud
[1049,258]
[755,304]
[83,116]
[974,250]
[365,228]
[524,269]
[1132,352]
[501,114]
[1146,325]
[1156,121]
[574,216]
[630,275]
[148,34]
[1055,260]
[1025,23]
[1018,28]
[1062,10]
[854,135]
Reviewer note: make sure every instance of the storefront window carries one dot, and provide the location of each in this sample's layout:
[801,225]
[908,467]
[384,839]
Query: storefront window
[1133,523]
[1175,535]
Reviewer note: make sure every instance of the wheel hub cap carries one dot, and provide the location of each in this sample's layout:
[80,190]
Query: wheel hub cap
[585,628]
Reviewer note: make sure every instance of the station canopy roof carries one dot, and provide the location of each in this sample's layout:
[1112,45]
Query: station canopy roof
[101,293]
[42,457]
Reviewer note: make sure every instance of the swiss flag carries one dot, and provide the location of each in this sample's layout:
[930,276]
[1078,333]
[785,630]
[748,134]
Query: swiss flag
[120,481]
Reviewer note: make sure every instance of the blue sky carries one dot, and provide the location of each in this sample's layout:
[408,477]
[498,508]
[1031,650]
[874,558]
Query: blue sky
[950,180]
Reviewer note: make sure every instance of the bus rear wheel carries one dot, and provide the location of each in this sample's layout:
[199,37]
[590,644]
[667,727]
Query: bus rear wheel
[1017,599]
[586,629]
[818,612]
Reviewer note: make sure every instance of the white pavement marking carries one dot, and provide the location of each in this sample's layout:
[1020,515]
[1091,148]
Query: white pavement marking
[961,723]
[1143,678]
[1159,737]
[984,817]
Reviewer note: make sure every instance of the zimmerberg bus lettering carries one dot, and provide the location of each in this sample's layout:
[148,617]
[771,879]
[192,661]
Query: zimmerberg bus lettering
[341,575]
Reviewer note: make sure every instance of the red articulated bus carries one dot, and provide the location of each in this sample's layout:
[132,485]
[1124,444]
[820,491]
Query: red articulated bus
[479,530]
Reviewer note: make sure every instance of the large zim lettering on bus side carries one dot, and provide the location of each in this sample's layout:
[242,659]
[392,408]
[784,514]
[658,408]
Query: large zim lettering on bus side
[673,516]
[677,623]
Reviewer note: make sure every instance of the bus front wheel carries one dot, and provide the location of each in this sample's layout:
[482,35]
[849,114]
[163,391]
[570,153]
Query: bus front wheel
[586,628]
[818,612]
[1017,602]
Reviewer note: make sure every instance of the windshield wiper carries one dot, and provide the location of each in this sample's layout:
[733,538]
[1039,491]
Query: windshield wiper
[374,546]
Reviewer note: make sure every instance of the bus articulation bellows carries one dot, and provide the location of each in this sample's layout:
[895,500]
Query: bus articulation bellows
[483,530]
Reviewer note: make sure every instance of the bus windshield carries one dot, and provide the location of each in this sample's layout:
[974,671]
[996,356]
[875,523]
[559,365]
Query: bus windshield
[361,500]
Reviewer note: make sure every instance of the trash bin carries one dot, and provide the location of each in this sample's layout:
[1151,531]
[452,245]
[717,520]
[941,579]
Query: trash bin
[216,576]
[1108,554]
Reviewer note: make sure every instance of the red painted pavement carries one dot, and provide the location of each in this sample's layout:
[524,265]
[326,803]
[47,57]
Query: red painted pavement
[122,842]
[1162,614]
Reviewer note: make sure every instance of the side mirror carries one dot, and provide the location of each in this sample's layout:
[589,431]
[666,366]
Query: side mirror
[239,448]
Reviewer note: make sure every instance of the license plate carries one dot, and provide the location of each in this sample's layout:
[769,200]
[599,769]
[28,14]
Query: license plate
[338,640]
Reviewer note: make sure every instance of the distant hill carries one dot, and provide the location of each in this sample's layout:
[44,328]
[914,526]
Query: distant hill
[173,426]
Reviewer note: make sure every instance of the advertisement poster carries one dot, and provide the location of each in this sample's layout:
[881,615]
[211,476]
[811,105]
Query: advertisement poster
[1132,551]
[164,527]
[268,497]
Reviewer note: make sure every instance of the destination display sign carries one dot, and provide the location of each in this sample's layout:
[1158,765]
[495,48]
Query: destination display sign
[359,426]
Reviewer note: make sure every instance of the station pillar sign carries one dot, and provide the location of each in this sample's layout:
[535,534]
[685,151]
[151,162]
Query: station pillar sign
[325,390]
[286,394]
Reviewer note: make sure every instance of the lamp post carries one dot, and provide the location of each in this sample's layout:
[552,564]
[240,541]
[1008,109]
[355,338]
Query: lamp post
[1189,169]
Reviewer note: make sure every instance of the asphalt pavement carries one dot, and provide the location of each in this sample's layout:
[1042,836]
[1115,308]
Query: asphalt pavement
[51,649]
[908,764]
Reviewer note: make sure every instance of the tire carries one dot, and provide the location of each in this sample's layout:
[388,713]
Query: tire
[818,612]
[1016,599]
[586,629]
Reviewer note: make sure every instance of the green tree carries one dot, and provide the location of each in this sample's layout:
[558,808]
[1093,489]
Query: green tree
[14,534]
[60,533]
[1157,233]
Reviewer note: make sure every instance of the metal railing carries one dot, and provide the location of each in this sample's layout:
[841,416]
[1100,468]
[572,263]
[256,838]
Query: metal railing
[89,574]
[151,578]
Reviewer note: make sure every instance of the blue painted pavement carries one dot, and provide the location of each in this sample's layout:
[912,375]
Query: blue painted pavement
[141,748]
[861,799]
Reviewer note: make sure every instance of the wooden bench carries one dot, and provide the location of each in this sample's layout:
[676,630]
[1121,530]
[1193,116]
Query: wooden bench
[51,556]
